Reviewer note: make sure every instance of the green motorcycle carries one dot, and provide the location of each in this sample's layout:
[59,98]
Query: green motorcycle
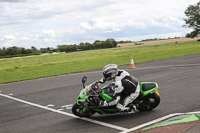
[91,95]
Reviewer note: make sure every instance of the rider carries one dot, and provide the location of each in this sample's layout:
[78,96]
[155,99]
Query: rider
[126,87]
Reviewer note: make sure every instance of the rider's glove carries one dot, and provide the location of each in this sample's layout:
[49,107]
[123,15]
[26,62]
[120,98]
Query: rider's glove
[101,81]
[114,86]
[103,103]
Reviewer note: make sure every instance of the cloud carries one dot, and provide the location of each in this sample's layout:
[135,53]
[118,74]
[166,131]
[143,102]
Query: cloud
[12,1]
[99,25]
[103,26]
[7,40]
[25,38]
[56,22]
[9,37]
[50,33]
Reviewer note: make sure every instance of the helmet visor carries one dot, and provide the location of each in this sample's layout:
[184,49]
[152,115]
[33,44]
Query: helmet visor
[110,74]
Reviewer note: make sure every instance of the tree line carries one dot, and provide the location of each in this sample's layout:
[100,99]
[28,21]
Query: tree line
[109,43]
[18,51]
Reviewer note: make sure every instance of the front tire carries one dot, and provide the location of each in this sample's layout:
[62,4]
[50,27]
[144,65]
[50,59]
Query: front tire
[149,102]
[78,111]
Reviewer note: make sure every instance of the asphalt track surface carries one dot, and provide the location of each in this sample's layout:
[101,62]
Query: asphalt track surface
[44,105]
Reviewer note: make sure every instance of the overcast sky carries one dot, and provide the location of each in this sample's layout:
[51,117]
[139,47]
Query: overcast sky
[48,23]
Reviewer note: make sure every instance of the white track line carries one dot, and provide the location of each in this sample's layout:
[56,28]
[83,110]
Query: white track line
[150,123]
[157,120]
[189,113]
[50,105]
[124,130]
[65,113]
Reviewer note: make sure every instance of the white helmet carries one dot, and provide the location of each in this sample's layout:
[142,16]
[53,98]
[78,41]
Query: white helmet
[110,71]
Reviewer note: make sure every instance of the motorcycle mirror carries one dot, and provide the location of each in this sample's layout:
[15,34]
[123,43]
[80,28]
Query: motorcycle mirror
[84,79]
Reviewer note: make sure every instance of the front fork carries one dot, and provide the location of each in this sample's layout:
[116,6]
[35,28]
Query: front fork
[88,103]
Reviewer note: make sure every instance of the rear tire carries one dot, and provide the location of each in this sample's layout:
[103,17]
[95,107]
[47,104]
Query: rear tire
[149,102]
[78,111]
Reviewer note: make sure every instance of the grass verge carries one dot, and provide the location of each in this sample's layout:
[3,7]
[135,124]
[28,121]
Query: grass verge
[18,69]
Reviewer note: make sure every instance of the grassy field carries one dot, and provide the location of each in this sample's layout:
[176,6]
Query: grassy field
[18,69]
[164,41]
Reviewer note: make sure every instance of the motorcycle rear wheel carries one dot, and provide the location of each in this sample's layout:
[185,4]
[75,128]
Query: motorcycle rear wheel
[149,102]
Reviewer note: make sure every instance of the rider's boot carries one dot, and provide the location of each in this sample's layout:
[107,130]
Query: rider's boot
[126,102]
[131,109]
[122,108]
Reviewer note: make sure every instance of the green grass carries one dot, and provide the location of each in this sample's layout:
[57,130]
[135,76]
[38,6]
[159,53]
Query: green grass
[18,69]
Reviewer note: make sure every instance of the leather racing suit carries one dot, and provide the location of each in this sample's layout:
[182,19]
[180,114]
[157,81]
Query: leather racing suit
[126,90]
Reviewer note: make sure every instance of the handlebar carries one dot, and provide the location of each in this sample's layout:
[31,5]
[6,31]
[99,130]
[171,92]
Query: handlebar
[95,87]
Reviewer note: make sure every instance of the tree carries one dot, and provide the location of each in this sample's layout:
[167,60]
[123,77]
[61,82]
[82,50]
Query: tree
[193,19]
[98,44]
[33,49]
[43,50]
[2,52]
[113,42]
[82,46]
[88,46]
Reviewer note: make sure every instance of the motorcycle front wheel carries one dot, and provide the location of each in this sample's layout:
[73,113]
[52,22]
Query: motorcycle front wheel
[78,111]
